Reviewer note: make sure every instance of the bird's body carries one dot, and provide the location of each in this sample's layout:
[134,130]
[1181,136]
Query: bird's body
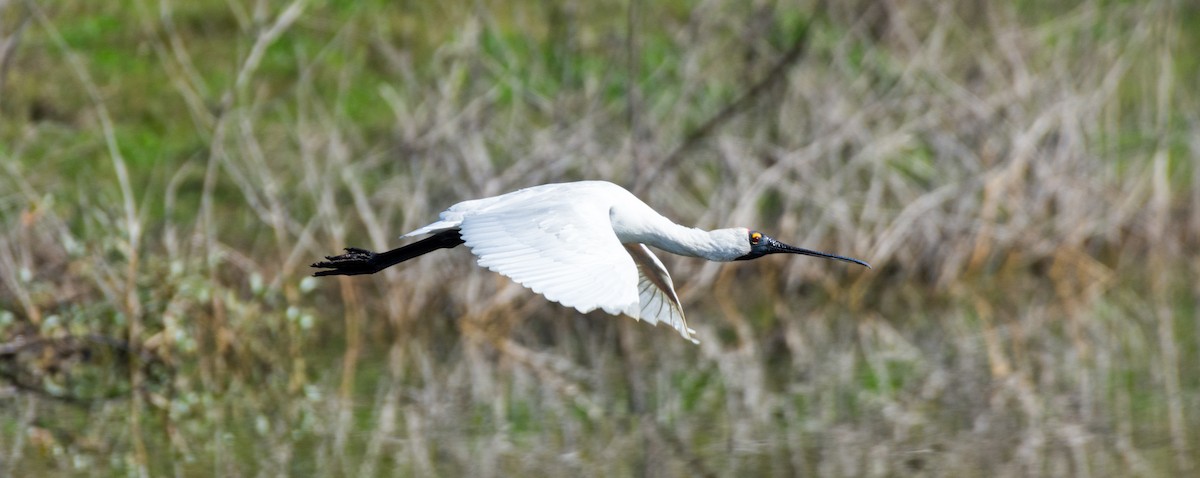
[581,244]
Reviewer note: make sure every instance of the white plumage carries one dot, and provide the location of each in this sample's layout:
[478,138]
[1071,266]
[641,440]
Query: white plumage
[580,244]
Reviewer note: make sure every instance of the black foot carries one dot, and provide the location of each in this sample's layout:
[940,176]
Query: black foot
[354,262]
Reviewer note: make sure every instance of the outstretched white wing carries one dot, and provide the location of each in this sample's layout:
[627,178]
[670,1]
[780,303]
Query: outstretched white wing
[558,240]
[564,250]
[656,292]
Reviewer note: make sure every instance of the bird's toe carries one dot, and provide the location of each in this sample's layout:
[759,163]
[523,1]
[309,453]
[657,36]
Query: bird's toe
[355,261]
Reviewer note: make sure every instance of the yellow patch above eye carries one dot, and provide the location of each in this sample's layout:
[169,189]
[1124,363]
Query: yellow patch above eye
[754,238]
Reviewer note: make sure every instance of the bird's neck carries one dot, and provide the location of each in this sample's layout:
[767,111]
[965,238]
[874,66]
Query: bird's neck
[685,241]
[664,234]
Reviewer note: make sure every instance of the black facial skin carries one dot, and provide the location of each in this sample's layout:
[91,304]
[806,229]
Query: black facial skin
[761,245]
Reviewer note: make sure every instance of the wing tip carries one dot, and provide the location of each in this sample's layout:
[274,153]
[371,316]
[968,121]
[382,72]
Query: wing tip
[689,334]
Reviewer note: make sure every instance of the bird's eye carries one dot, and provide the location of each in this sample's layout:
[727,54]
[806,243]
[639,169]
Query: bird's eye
[755,237]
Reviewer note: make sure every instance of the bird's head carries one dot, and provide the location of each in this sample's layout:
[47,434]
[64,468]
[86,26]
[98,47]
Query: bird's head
[760,245]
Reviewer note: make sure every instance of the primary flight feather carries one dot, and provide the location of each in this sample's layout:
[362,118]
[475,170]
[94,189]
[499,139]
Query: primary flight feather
[581,244]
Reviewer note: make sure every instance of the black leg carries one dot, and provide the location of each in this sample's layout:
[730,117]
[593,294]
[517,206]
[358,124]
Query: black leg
[361,261]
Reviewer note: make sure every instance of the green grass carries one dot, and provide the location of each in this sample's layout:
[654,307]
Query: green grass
[1031,310]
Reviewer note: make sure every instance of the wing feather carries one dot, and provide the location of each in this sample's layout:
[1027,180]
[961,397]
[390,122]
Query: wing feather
[567,252]
[657,300]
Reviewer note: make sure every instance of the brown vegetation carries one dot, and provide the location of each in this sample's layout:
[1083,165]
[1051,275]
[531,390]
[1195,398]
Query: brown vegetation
[1021,177]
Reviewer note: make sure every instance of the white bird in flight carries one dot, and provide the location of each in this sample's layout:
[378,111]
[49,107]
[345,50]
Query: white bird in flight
[581,244]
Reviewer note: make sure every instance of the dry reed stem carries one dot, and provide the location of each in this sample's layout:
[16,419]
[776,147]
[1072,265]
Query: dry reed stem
[133,231]
[980,162]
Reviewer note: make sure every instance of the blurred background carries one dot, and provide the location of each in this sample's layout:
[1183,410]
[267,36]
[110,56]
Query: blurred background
[1022,175]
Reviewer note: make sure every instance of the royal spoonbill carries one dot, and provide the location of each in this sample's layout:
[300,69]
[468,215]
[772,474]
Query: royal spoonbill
[581,244]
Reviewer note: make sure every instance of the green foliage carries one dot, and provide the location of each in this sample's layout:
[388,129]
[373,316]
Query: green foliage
[1019,174]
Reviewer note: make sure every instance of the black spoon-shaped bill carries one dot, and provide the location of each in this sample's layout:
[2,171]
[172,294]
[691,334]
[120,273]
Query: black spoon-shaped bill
[767,245]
